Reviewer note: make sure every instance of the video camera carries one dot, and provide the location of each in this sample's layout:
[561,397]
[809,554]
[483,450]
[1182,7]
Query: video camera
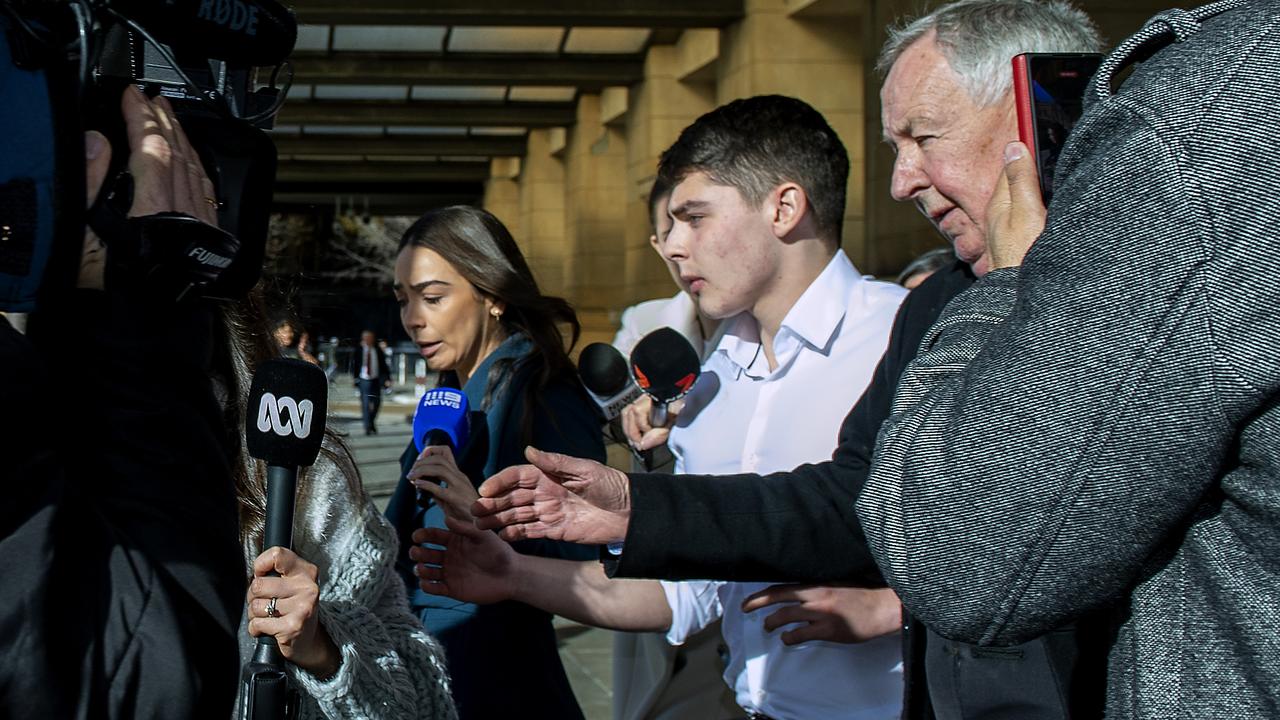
[63,67]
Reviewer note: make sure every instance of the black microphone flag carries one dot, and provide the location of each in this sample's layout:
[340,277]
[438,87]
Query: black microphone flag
[246,32]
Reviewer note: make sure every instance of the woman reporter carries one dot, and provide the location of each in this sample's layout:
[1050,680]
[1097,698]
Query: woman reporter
[337,609]
[469,301]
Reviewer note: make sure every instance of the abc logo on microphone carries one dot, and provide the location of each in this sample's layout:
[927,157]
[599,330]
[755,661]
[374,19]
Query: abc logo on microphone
[284,422]
[285,416]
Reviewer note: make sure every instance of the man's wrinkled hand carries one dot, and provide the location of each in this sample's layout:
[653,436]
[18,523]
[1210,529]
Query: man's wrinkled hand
[1016,213]
[556,497]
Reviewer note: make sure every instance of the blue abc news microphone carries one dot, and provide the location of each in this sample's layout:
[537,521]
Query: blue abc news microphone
[442,418]
[284,426]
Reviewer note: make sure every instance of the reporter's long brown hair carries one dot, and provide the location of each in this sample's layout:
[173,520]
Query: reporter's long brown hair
[482,250]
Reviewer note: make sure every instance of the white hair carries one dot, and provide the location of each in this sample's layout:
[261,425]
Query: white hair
[980,37]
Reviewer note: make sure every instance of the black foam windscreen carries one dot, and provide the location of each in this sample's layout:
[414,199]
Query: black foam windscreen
[245,32]
[284,422]
[665,365]
[603,369]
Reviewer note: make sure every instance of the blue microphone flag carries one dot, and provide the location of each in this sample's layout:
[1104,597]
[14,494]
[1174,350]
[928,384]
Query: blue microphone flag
[443,410]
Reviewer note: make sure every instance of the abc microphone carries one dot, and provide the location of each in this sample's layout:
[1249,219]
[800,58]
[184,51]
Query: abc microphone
[605,374]
[284,427]
[665,366]
[442,418]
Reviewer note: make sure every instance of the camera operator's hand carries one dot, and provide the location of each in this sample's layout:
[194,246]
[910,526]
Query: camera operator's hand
[167,175]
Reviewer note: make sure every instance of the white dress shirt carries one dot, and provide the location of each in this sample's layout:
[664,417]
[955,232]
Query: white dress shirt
[741,417]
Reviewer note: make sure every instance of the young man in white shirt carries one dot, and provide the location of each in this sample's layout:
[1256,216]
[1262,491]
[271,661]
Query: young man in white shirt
[758,203]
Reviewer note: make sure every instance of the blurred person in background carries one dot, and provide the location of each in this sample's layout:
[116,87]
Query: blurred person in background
[371,375]
[923,267]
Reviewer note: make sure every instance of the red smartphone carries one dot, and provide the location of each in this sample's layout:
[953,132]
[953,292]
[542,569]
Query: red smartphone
[1048,89]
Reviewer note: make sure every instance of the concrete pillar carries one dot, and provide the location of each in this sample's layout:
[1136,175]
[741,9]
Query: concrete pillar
[595,184]
[676,89]
[812,51]
[542,200]
[502,193]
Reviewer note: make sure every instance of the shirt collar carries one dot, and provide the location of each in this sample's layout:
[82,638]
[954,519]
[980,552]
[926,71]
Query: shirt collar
[812,321]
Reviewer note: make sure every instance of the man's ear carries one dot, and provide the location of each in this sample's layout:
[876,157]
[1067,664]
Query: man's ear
[789,205]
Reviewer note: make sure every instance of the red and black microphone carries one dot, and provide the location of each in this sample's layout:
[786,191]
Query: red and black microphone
[665,366]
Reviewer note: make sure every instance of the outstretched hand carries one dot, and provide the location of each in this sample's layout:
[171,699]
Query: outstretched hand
[556,497]
[474,566]
[834,614]
[1016,213]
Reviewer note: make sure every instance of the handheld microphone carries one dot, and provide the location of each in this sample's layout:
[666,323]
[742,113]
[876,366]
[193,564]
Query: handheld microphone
[604,373]
[254,33]
[284,427]
[665,366]
[442,418]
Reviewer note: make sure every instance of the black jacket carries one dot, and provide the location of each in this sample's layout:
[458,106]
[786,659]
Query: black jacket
[801,525]
[357,360]
[124,579]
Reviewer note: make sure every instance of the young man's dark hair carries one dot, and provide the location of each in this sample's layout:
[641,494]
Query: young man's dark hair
[756,144]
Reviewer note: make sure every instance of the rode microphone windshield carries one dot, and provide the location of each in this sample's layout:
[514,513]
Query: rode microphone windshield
[442,418]
[284,422]
[665,367]
[242,32]
[604,373]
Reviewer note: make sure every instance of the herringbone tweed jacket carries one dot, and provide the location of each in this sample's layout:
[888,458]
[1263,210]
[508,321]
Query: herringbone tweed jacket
[1103,426]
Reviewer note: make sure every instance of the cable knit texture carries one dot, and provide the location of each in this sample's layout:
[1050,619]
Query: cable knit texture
[1102,427]
[391,668]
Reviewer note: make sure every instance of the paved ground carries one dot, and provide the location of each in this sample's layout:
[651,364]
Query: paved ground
[586,652]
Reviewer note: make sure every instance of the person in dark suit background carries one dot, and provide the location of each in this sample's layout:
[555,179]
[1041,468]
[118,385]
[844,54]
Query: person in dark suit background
[371,373]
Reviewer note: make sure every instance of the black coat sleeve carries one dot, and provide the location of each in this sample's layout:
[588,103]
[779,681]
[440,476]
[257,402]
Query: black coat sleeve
[798,525]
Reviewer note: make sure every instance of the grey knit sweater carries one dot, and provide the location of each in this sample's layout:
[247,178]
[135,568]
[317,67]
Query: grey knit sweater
[1102,427]
[391,668]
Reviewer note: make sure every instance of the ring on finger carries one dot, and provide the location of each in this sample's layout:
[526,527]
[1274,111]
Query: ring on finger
[272,612]
[213,202]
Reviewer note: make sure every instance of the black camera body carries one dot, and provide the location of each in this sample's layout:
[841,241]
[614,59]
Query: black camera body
[202,56]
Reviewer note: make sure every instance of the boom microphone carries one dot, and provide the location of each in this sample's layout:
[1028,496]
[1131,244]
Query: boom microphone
[284,426]
[604,372]
[240,32]
[665,367]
